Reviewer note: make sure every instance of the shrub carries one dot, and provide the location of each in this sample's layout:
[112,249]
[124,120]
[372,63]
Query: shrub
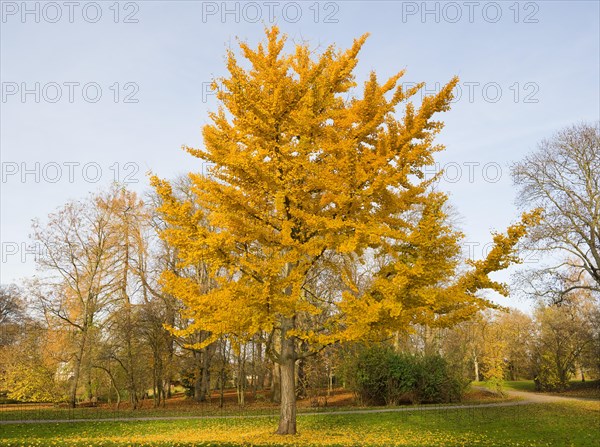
[380,376]
[435,382]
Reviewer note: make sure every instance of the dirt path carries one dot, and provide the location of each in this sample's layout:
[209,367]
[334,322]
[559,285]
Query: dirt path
[540,398]
[536,397]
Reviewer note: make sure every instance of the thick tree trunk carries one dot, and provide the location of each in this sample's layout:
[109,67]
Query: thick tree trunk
[202,381]
[287,413]
[476,368]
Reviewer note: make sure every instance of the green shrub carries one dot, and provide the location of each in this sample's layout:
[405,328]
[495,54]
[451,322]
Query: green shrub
[373,377]
[435,380]
[380,376]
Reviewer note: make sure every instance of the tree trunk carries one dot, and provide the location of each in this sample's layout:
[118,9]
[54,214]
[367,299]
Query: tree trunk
[287,412]
[159,381]
[73,390]
[222,375]
[241,377]
[118,397]
[260,375]
[476,367]
[198,376]
[205,379]
[166,391]
[114,385]
[276,384]
[170,357]
[76,373]
[222,388]
[88,381]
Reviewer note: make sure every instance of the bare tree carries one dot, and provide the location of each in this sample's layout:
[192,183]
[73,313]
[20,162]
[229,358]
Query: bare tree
[11,313]
[563,178]
[79,281]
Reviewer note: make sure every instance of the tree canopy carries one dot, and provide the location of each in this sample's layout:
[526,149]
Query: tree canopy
[311,180]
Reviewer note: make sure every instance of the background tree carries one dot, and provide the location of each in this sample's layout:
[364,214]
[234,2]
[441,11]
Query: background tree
[79,280]
[304,180]
[564,332]
[94,286]
[562,178]
[129,221]
[516,330]
[28,369]
[590,357]
[12,311]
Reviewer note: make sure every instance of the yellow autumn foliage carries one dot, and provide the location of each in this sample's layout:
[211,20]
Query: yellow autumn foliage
[309,176]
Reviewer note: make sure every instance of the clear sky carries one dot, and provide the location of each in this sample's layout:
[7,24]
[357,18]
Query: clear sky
[98,91]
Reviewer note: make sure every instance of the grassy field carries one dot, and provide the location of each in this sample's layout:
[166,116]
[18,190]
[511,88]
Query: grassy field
[565,424]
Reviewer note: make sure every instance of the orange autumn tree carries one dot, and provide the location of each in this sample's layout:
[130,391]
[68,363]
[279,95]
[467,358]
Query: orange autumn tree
[308,178]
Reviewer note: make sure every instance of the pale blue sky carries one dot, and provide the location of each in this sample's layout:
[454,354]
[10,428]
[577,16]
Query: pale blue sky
[527,69]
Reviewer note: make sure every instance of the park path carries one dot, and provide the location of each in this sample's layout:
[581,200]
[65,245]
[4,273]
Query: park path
[539,398]
[525,398]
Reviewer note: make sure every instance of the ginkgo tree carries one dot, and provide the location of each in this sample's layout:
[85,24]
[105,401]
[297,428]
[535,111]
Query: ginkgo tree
[310,176]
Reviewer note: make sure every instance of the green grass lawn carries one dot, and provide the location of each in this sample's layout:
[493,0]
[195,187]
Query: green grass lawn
[564,424]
